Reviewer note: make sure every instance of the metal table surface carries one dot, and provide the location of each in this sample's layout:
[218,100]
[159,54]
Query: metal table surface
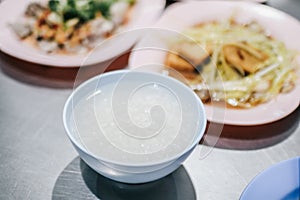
[37,159]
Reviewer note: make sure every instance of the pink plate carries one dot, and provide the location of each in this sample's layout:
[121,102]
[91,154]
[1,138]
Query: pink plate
[144,13]
[152,50]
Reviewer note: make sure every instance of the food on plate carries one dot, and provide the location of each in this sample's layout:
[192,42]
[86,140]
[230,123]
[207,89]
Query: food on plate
[72,26]
[236,63]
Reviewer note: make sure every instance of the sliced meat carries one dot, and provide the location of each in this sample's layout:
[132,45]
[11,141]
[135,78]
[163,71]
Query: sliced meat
[244,57]
[176,62]
[21,29]
[194,53]
[34,10]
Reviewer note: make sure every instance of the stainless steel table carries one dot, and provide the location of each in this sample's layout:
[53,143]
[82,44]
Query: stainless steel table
[37,160]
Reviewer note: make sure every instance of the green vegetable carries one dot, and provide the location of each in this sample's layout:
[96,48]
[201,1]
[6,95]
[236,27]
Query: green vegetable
[84,10]
[53,5]
[103,7]
[71,3]
[69,13]
[131,2]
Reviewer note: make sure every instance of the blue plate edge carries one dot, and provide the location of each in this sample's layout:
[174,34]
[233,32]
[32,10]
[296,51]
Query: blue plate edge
[255,178]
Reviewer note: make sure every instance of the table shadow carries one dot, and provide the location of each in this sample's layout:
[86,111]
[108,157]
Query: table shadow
[251,137]
[78,181]
[56,77]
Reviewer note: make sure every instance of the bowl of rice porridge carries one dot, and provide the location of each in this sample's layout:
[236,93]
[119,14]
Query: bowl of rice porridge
[134,126]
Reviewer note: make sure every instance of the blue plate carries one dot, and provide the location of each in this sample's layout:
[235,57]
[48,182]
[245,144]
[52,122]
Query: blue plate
[281,181]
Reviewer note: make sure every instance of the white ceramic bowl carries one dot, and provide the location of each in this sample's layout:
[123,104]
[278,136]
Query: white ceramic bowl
[135,172]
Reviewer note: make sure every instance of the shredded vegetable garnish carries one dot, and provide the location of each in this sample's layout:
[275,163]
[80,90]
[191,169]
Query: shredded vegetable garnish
[235,63]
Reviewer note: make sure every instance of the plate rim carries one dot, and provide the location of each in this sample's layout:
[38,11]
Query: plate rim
[226,119]
[57,60]
[258,176]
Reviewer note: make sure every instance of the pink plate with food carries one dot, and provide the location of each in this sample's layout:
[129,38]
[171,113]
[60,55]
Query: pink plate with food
[241,58]
[63,33]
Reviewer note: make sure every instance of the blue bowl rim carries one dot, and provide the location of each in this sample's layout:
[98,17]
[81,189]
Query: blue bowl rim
[258,176]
